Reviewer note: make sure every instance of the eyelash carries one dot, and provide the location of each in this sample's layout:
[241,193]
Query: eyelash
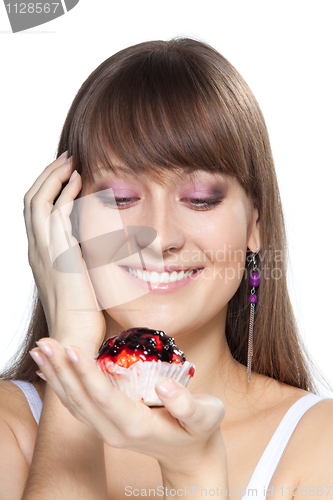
[110,202]
[202,204]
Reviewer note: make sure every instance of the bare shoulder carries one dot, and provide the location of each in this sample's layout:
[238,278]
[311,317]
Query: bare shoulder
[16,414]
[315,428]
[10,397]
[319,420]
[315,420]
[309,452]
[16,443]
[12,400]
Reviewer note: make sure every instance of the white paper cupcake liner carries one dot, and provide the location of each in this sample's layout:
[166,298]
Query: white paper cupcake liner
[139,380]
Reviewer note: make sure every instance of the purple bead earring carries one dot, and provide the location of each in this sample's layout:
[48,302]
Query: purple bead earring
[254,281]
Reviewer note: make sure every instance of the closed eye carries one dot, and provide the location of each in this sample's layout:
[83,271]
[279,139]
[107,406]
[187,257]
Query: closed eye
[120,203]
[199,204]
[203,203]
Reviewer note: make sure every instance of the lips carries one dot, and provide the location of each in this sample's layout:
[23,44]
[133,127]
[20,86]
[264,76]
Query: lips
[166,281]
[155,277]
[168,269]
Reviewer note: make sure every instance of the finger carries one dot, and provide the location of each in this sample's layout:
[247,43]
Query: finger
[47,370]
[89,408]
[66,197]
[58,225]
[30,205]
[197,414]
[58,372]
[129,416]
[34,188]
[42,202]
[46,172]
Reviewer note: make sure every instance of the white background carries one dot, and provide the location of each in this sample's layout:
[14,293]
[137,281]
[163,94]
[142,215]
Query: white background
[284,51]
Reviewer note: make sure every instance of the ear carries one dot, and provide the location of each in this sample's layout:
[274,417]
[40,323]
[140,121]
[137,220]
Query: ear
[253,240]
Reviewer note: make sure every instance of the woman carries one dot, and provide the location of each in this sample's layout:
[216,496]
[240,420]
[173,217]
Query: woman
[165,136]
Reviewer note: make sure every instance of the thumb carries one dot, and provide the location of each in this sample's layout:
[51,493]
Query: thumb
[196,413]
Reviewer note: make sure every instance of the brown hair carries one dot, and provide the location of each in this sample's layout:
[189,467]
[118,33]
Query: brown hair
[179,104]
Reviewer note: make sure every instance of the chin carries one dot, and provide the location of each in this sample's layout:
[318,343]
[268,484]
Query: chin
[128,317]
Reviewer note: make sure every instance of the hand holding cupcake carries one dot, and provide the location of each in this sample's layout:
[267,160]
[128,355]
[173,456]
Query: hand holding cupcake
[183,436]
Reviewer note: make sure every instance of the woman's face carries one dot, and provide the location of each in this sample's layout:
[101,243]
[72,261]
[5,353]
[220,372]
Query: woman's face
[185,275]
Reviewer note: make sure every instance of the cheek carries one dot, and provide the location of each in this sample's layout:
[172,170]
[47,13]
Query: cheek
[224,239]
[111,289]
[223,245]
[101,234]
[95,220]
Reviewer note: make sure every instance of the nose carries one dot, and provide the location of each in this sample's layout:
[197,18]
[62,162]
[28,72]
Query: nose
[170,232]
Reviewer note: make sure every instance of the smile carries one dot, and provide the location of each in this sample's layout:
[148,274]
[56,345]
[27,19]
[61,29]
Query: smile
[165,277]
[166,281]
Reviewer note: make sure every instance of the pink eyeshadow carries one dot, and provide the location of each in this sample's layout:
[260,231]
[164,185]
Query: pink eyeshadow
[203,192]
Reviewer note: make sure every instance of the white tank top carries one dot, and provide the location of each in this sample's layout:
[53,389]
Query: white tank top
[269,460]
[32,396]
[263,473]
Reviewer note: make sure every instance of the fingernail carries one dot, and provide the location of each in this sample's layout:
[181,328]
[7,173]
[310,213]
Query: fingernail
[46,349]
[167,388]
[72,177]
[37,358]
[71,354]
[40,374]
[63,154]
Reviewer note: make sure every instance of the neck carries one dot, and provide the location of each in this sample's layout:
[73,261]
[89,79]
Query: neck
[217,372]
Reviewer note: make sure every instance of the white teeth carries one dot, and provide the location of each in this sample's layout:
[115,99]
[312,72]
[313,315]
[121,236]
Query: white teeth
[165,277]
[180,276]
[154,277]
[173,276]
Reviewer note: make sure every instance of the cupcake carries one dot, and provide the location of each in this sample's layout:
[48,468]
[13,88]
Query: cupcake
[138,358]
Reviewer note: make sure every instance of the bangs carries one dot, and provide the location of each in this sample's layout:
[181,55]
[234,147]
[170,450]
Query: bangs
[158,109]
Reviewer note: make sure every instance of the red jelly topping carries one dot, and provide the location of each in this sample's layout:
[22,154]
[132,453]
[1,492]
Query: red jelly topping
[140,344]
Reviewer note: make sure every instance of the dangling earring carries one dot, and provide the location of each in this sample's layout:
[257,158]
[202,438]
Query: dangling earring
[254,281]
